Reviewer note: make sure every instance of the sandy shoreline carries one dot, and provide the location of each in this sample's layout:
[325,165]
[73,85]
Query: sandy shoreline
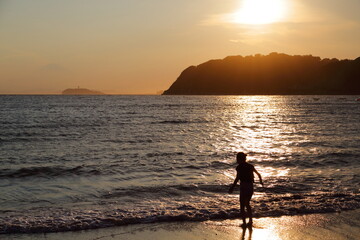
[337,226]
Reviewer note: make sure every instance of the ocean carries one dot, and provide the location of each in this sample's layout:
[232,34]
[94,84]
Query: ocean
[84,162]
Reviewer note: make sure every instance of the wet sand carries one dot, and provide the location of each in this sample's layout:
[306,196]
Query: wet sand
[337,226]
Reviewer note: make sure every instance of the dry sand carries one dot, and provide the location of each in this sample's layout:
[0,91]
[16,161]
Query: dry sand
[337,226]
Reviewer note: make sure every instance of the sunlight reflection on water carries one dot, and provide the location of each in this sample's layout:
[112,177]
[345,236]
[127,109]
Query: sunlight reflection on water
[255,128]
[282,228]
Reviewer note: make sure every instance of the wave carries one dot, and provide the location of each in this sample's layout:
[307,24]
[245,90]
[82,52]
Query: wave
[38,139]
[173,122]
[201,209]
[117,168]
[158,154]
[53,171]
[312,160]
[278,186]
[155,192]
[180,121]
[127,141]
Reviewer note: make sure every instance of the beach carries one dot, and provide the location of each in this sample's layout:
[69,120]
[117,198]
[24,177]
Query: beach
[329,226]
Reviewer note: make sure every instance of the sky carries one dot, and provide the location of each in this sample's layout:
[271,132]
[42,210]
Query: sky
[142,46]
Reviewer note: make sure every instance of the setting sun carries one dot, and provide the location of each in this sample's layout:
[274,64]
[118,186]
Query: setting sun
[260,12]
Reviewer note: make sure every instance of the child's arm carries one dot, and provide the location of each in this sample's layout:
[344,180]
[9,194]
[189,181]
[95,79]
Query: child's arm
[234,184]
[257,173]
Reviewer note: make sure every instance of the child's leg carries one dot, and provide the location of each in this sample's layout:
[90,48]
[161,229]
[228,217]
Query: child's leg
[249,210]
[242,211]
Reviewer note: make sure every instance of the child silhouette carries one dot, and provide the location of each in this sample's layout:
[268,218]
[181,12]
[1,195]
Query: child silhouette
[245,173]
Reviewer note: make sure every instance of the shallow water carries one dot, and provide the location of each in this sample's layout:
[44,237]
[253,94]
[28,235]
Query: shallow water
[79,162]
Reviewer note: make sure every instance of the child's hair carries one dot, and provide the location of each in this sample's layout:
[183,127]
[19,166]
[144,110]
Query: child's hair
[241,157]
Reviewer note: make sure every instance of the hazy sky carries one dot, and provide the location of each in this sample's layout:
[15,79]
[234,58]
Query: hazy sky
[141,46]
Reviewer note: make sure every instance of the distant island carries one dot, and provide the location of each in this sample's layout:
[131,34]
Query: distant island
[271,74]
[81,91]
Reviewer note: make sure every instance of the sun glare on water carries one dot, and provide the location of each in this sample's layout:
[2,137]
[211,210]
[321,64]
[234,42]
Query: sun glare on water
[260,12]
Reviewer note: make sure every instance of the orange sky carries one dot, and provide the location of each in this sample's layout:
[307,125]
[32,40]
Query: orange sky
[141,46]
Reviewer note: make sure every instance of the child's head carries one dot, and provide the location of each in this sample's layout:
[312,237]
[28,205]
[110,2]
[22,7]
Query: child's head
[241,157]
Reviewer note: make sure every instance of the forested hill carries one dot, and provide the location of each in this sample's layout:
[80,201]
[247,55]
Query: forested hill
[81,91]
[269,74]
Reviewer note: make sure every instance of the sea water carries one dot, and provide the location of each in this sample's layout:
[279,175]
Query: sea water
[82,162]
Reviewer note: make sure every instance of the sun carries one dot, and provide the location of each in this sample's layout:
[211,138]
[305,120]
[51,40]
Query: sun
[260,12]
